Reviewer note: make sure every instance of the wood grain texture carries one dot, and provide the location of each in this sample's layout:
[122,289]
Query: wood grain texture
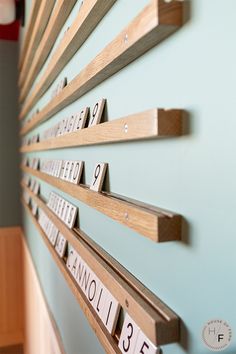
[107,341]
[60,13]
[41,333]
[87,19]
[157,321]
[151,124]
[11,318]
[150,27]
[157,224]
[15,349]
[40,24]
[28,32]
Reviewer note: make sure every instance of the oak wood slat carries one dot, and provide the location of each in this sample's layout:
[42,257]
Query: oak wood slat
[157,321]
[157,21]
[107,341]
[41,21]
[28,31]
[60,13]
[157,224]
[87,19]
[153,123]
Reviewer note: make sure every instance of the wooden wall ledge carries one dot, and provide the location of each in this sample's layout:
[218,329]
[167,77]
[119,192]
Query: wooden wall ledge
[28,32]
[153,123]
[157,21]
[157,224]
[156,320]
[87,19]
[41,21]
[28,75]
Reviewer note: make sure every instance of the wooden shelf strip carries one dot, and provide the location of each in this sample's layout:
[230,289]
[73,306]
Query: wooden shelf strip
[153,123]
[87,19]
[154,223]
[41,21]
[107,341]
[156,320]
[157,21]
[60,13]
[28,31]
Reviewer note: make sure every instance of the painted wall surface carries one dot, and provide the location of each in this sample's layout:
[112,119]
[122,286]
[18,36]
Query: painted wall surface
[194,175]
[9,182]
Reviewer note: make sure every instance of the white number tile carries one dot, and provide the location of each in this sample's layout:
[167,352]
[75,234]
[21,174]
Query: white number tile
[49,203]
[129,336]
[54,172]
[65,210]
[45,222]
[36,164]
[80,119]
[100,299]
[59,129]
[77,172]
[82,274]
[70,172]
[49,228]
[62,169]
[98,176]
[69,167]
[66,170]
[59,206]
[144,346]
[50,172]
[76,265]
[54,166]
[34,209]
[53,235]
[96,113]
[92,288]
[62,209]
[71,217]
[58,168]
[61,245]
[71,257]
[55,203]
[110,312]
[64,128]
[42,220]
[36,188]
[70,124]
[32,185]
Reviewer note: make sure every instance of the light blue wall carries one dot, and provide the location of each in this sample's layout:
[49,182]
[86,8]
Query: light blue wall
[193,175]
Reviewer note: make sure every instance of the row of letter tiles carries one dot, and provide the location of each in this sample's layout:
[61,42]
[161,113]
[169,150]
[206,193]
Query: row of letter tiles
[102,301]
[66,211]
[77,121]
[55,237]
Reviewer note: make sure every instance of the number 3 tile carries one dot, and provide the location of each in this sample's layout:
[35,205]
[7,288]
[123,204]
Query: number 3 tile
[129,335]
